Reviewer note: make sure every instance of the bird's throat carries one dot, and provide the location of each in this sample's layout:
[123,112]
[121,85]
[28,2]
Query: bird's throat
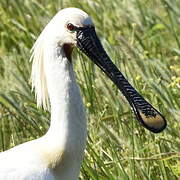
[68,48]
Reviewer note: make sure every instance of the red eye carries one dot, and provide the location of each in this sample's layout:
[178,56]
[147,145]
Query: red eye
[70,27]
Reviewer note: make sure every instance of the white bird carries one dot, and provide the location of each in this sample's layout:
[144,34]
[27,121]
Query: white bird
[59,153]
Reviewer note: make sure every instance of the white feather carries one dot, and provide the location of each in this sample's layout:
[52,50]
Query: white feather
[38,75]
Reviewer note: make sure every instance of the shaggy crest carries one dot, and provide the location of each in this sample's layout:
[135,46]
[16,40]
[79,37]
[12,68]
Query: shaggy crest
[38,77]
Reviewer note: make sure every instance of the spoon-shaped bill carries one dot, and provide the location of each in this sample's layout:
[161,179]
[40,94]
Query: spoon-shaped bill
[89,43]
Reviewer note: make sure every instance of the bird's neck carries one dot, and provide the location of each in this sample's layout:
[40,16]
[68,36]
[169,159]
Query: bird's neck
[68,123]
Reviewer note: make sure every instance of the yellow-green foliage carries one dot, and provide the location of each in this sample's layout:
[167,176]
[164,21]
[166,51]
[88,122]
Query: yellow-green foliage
[143,40]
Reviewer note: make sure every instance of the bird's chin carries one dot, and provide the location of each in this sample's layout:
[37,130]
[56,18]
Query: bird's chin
[68,48]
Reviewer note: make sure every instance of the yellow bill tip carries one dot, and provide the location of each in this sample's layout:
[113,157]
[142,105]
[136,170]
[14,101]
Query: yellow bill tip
[156,123]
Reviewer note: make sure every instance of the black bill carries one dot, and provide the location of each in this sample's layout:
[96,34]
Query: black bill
[89,43]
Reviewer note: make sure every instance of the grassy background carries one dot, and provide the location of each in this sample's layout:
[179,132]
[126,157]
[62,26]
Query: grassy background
[142,38]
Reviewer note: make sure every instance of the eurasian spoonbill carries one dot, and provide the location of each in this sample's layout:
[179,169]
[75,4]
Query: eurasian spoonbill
[59,153]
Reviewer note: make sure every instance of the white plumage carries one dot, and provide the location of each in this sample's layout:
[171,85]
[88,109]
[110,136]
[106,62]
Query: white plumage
[58,154]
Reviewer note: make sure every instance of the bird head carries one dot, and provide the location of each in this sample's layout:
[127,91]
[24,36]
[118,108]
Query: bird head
[64,27]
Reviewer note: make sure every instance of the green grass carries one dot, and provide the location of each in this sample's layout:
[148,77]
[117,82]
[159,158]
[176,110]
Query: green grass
[142,38]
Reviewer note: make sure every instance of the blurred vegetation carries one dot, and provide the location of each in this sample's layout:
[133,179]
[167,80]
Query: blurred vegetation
[142,38]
